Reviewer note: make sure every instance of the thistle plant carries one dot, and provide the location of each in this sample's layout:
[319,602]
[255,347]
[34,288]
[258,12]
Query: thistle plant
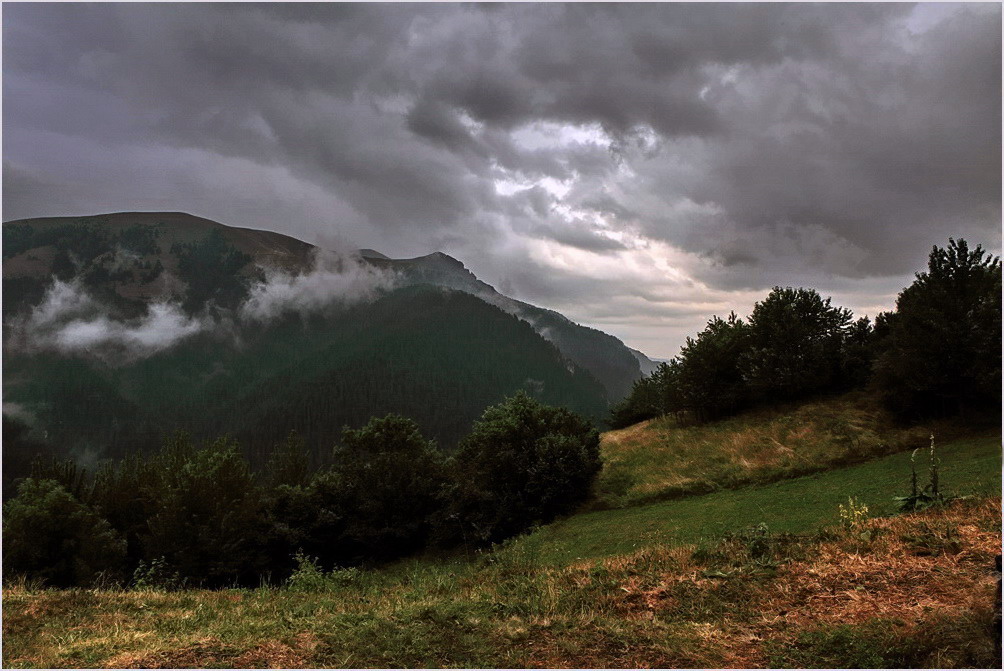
[932,486]
[931,494]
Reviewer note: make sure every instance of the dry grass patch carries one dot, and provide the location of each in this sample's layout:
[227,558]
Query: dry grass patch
[659,459]
[758,599]
[852,580]
[205,653]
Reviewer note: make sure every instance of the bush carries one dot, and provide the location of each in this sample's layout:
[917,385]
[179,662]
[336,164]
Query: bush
[523,464]
[206,519]
[50,535]
[310,577]
[376,501]
[389,481]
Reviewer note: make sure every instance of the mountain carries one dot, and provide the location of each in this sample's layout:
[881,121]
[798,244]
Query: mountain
[166,321]
[647,365]
[614,364]
[132,258]
[138,243]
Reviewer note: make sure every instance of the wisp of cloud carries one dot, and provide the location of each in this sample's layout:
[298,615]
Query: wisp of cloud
[336,280]
[71,321]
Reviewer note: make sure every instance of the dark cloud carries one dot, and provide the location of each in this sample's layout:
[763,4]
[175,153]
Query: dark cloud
[711,150]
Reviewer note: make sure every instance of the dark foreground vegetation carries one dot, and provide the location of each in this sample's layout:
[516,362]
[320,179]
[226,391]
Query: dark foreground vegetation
[937,354]
[198,516]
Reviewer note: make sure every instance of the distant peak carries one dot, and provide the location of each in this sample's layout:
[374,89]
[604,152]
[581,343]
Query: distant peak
[437,259]
[367,253]
[441,257]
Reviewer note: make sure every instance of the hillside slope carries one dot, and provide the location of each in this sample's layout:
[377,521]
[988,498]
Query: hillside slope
[434,355]
[970,466]
[131,258]
[614,364]
[660,459]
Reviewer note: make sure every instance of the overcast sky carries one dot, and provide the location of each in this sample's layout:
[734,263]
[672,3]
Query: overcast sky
[636,167]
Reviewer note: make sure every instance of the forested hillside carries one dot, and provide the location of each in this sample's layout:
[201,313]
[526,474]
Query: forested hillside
[122,329]
[436,355]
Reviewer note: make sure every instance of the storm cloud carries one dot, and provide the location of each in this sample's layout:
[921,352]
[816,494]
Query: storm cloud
[636,167]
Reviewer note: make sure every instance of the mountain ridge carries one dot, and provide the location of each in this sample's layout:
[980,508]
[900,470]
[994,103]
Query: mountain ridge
[604,355]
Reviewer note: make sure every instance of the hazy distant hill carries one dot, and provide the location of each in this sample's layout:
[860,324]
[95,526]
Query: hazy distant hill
[429,340]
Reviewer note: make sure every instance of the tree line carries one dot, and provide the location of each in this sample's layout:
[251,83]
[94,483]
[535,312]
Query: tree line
[198,515]
[937,354]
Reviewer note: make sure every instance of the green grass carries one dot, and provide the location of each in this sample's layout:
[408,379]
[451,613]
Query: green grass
[942,642]
[971,466]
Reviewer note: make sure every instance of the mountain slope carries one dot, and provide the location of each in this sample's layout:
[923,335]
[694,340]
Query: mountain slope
[435,355]
[131,258]
[167,322]
[613,363]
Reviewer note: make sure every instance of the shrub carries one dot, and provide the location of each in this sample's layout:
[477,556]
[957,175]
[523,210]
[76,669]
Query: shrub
[389,481]
[376,501]
[155,575]
[523,464]
[310,577]
[50,535]
[206,515]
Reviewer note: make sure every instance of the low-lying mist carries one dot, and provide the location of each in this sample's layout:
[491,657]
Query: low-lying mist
[70,320]
[336,280]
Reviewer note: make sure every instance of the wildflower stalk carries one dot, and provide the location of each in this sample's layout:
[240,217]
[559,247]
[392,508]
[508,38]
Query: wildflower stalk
[933,473]
[913,474]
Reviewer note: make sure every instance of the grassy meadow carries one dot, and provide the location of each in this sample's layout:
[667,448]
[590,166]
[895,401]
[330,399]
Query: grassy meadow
[659,459]
[968,467]
[749,575]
